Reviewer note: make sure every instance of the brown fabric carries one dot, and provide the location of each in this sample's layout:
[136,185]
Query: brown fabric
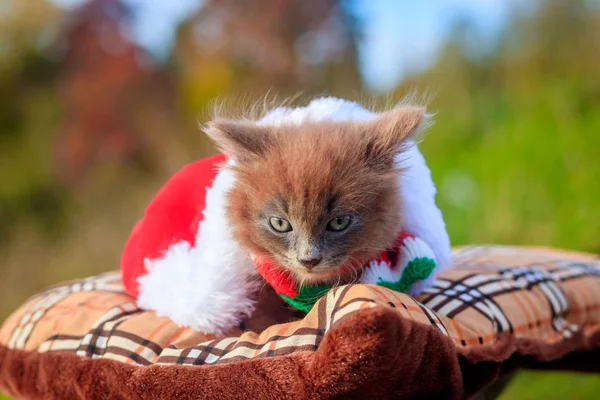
[361,358]
[501,308]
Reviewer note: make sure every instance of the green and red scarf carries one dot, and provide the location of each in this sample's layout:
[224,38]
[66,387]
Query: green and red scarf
[409,261]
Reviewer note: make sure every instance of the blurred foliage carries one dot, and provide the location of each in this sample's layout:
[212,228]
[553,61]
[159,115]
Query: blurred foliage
[514,148]
[28,189]
[90,126]
[528,385]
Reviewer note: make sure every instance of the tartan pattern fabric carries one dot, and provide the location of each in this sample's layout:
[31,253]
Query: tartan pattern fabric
[537,293]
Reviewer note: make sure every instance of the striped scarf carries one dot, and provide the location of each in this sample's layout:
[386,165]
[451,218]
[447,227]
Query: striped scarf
[410,260]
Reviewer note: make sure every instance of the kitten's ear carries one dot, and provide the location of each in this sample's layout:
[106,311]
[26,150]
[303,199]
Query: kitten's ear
[243,141]
[388,134]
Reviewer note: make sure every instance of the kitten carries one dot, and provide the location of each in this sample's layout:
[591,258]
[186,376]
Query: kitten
[303,201]
[318,197]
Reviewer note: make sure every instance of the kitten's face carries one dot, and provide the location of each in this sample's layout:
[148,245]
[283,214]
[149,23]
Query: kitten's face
[315,197]
[313,206]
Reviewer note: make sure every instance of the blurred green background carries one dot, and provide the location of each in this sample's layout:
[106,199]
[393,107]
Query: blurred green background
[100,101]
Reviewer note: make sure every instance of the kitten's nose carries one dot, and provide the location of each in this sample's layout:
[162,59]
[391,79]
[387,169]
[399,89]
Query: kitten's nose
[309,262]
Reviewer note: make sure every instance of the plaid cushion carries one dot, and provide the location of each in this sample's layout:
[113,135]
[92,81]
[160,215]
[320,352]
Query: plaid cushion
[538,293]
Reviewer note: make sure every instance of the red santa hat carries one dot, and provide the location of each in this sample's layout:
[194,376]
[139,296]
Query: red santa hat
[181,259]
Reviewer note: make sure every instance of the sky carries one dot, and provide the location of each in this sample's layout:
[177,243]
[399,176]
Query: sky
[401,37]
[404,36]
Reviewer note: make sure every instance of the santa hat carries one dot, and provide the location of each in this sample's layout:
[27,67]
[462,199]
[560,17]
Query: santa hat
[181,259]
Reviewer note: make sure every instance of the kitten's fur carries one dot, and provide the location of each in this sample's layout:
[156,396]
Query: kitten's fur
[310,174]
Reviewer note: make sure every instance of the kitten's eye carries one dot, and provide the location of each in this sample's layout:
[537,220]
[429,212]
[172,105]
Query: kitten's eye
[339,224]
[280,225]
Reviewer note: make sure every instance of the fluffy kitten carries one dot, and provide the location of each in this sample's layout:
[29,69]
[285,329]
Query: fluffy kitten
[318,196]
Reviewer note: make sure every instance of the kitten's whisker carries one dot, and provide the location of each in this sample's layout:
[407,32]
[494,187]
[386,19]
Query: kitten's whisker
[355,269]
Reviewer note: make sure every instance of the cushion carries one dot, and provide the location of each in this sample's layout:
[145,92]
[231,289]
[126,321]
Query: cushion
[499,308]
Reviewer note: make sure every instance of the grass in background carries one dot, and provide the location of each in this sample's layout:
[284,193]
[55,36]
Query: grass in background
[528,385]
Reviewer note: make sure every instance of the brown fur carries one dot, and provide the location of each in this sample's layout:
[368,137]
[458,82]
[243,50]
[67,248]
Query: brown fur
[310,174]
